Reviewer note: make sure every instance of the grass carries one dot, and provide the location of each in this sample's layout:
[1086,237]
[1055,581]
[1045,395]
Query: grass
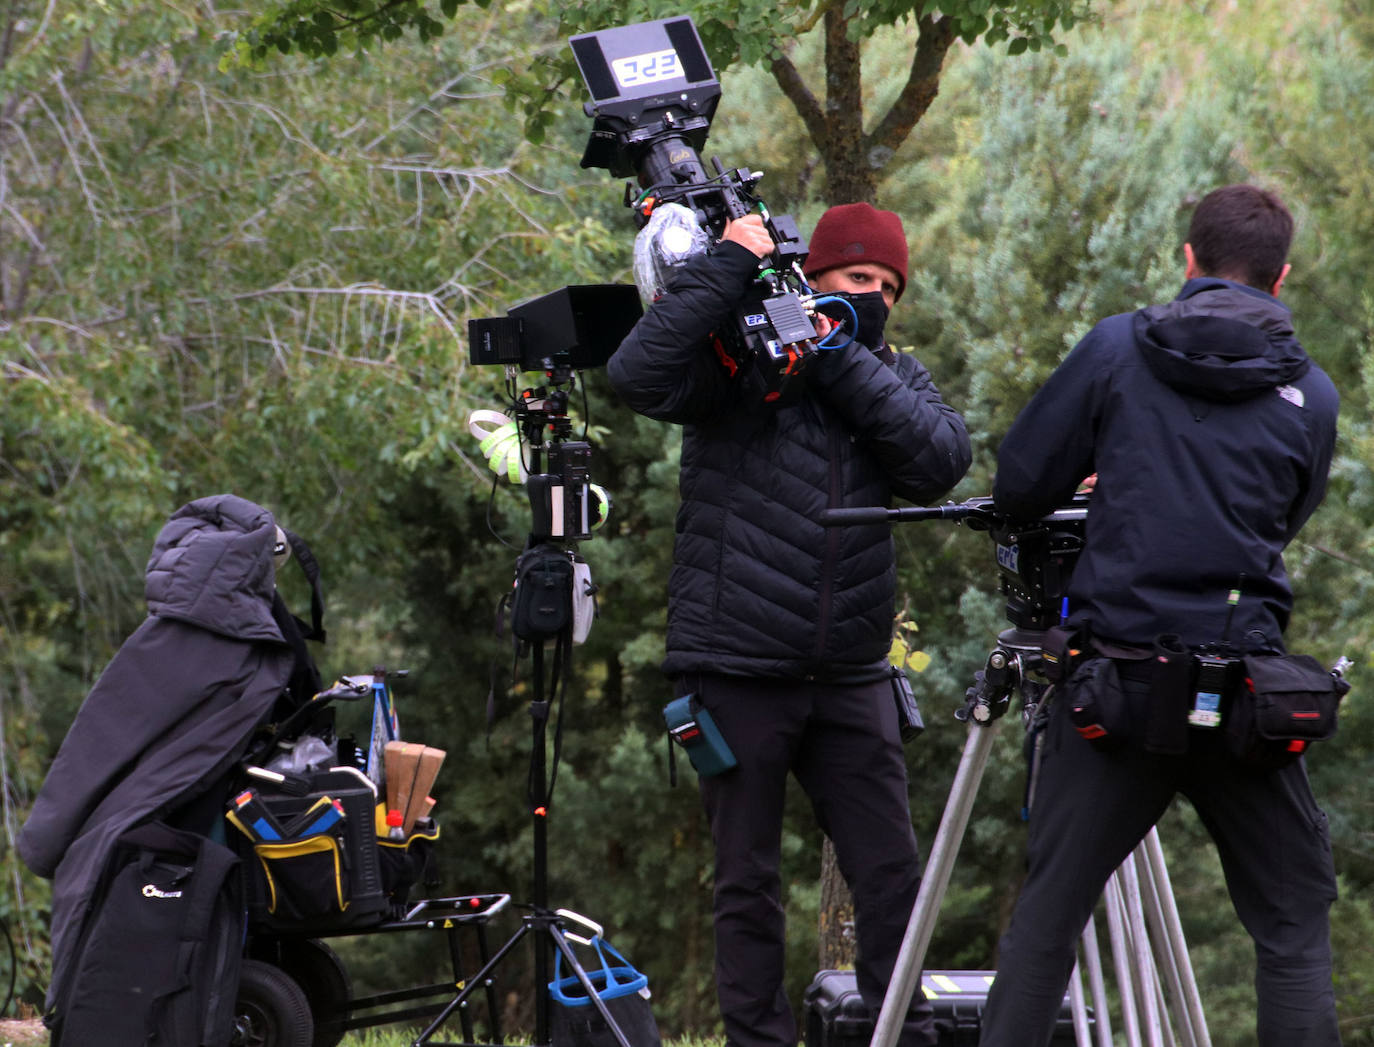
[394,1037]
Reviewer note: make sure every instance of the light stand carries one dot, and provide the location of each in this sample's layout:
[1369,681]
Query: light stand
[542,416]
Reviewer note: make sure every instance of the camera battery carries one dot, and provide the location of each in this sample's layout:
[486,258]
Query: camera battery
[1212,676]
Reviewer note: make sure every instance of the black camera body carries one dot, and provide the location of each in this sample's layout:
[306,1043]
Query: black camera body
[1035,560]
[653,97]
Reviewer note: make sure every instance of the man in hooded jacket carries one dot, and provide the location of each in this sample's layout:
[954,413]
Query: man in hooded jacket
[779,626]
[1210,432]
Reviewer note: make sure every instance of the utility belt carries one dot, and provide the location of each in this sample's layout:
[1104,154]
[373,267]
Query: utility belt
[1269,708]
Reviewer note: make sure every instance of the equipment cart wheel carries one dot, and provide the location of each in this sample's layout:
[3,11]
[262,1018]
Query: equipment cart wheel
[322,976]
[271,1010]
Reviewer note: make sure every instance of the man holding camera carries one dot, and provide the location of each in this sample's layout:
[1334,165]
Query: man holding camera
[1210,432]
[781,627]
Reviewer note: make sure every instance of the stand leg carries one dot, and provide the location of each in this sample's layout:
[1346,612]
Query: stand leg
[477,980]
[1102,1019]
[1082,1036]
[1121,960]
[906,970]
[1146,976]
[1190,1001]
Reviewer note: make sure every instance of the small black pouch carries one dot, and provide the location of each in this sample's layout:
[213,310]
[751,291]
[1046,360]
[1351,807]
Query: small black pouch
[542,607]
[909,720]
[1059,653]
[1286,703]
[1171,681]
[1097,705]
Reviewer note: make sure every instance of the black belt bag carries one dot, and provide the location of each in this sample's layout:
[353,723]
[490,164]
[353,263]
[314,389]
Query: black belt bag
[1284,703]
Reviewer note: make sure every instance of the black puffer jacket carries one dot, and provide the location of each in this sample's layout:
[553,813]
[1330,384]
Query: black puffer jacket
[758,587]
[172,711]
[1211,432]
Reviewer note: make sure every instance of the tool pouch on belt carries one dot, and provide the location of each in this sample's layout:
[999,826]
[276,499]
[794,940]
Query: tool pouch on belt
[1096,704]
[1060,652]
[1171,681]
[1286,703]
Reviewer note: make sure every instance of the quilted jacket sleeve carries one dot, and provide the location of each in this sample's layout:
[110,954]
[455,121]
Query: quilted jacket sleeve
[896,412]
[667,368]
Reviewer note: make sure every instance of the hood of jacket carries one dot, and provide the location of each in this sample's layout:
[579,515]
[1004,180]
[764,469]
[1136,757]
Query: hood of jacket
[1221,341]
[212,567]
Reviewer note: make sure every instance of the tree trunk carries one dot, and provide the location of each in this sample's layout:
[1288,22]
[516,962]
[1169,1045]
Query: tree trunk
[849,177]
[853,161]
[837,915]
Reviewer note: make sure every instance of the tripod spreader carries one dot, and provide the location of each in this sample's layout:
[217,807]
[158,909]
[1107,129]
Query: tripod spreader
[992,688]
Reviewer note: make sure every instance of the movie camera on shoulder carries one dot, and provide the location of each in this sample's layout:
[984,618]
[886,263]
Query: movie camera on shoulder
[653,98]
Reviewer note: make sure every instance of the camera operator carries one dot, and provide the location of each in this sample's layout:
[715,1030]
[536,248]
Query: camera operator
[779,626]
[1211,433]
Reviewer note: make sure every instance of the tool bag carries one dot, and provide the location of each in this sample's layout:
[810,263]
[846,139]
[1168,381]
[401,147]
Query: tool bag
[159,960]
[574,1018]
[312,856]
[1286,703]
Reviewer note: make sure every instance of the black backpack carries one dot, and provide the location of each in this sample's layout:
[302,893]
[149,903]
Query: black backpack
[159,959]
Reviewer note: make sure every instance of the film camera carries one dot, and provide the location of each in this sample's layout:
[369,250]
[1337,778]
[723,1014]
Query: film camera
[1034,558]
[653,97]
[571,329]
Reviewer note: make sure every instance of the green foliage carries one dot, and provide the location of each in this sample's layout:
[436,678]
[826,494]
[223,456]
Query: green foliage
[256,278]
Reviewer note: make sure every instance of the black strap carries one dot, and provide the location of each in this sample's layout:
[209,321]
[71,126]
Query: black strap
[310,567]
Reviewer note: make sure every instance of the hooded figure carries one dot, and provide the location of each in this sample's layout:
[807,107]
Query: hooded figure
[172,712]
[1229,428]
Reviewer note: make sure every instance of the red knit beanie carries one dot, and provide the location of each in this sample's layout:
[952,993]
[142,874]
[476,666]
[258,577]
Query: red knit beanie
[849,234]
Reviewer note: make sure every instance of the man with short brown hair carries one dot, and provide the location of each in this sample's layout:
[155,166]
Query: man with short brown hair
[1210,432]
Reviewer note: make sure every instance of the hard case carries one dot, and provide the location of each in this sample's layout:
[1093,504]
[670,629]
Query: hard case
[836,1015]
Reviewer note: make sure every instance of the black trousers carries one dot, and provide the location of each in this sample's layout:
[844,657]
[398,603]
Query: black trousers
[842,744]
[1091,809]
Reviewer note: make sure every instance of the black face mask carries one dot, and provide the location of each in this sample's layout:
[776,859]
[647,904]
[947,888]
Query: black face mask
[871,310]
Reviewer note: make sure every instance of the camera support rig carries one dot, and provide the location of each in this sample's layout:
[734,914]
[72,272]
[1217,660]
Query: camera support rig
[1034,561]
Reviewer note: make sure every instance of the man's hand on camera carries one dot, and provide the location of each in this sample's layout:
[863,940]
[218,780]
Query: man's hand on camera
[751,234]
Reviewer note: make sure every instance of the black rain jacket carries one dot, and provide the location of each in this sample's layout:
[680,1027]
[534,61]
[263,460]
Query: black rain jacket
[172,711]
[1211,433]
[759,587]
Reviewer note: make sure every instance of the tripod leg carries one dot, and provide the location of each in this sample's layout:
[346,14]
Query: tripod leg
[1102,1018]
[1121,960]
[1147,978]
[477,980]
[1165,960]
[935,879]
[1189,998]
[1082,1037]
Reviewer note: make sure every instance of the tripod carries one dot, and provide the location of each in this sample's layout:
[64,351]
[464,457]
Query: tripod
[1143,924]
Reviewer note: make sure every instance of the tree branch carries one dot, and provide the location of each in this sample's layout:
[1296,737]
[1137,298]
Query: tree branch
[808,107]
[921,87]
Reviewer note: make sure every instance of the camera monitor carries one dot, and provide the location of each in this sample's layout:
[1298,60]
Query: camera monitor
[579,326]
[646,81]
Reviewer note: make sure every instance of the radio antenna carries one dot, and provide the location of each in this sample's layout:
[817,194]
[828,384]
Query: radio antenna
[1231,602]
